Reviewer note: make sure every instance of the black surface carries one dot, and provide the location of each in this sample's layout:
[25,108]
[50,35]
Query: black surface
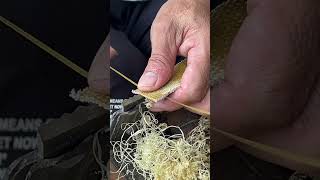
[232,163]
[62,134]
[32,83]
[76,164]
[135,19]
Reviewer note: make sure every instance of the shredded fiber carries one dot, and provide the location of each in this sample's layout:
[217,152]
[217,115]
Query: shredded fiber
[87,95]
[152,153]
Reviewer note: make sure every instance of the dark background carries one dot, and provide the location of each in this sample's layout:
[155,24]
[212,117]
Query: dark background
[32,83]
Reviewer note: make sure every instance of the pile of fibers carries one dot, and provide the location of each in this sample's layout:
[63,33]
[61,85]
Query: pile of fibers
[149,151]
[87,95]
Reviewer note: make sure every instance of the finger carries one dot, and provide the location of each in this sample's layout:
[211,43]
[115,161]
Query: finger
[169,105]
[113,53]
[165,105]
[249,75]
[98,77]
[195,80]
[266,81]
[163,56]
[305,132]
[203,105]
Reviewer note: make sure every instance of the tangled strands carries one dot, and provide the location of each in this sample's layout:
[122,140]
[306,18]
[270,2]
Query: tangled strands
[86,95]
[153,154]
[97,154]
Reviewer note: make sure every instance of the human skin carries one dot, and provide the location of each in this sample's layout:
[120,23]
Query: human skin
[271,91]
[98,77]
[181,27]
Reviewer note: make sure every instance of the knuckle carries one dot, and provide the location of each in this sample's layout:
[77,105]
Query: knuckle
[163,25]
[196,93]
[159,61]
[159,26]
[189,95]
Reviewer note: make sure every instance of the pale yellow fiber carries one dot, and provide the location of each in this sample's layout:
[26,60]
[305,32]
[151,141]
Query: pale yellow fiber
[45,47]
[159,156]
[89,96]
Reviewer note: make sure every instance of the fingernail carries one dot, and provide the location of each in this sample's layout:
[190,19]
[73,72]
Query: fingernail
[148,79]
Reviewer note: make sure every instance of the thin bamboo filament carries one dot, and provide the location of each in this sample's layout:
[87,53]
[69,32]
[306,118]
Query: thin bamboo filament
[44,47]
[259,147]
[122,75]
[199,111]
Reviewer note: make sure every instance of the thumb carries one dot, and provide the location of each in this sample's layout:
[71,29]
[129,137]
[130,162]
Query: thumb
[163,57]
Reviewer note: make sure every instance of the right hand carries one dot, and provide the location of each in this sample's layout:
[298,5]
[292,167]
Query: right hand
[181,27]
[272,77]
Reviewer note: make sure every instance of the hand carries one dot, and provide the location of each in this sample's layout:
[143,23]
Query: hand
[271,91]
[98,77]
[181,27]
